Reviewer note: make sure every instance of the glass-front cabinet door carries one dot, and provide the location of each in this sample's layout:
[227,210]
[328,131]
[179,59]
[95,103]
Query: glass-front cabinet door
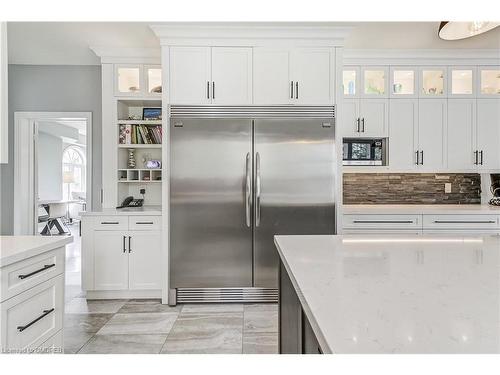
[374,82]
[489,81]
[350,81]
[433,82]
[128,80]
[461,81]
[403,82]
[152,75]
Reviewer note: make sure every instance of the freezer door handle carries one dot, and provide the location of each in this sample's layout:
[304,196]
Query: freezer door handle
[248,191]
[257,189]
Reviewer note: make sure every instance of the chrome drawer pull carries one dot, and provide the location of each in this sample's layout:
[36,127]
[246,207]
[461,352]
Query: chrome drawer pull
[144,222]
[110,222]
[45,313]
[464,222]
[45,267]
[383,221]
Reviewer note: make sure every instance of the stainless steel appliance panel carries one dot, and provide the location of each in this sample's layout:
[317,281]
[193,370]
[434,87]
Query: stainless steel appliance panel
[210,198]
[294,162]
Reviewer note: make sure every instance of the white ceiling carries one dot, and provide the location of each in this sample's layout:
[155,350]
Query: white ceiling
[67,43]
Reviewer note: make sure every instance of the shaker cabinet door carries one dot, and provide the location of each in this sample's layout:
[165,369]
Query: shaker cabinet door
[144,260]
[403,120]
[351,123]
[374,117]
[461,134]
[431,130]
[190,75]
[488,133]
[110,260]
[310,72]
[271,76]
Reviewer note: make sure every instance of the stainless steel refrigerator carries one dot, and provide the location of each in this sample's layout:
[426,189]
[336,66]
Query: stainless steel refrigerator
[239,176]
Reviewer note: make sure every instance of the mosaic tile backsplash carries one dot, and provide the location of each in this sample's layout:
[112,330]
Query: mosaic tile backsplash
[411,188]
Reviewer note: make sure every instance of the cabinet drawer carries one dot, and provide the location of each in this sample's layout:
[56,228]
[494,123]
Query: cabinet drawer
[111,223]
[144,222]
[32,317]
[461,221]
[381,221]
[18,277]
[54,345]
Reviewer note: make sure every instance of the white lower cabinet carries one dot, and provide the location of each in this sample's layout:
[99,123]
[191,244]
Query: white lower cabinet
[121,261]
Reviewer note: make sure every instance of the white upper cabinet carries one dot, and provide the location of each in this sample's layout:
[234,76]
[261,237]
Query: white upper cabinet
[461,134]
[403,82]
[302,76]
[374,82]
[310,71]
[231,75]
[138,80]
[433,82]
[374,117]
[488,133]
[489,81]
[190,75]
[350,82]
[271,76]
[461,82]
[403,120]
[351,121]
[431,133]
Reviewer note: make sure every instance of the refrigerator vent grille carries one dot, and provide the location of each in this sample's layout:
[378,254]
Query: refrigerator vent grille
[192,111]
[237,295]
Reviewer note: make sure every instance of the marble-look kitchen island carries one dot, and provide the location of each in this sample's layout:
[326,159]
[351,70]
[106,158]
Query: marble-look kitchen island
[389,294]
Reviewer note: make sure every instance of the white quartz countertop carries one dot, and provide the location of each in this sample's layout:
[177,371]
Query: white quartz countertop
[398,294]
[129,211]
[16,248]
[420,209]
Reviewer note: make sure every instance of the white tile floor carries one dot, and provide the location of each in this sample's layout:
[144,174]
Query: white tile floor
[147,326]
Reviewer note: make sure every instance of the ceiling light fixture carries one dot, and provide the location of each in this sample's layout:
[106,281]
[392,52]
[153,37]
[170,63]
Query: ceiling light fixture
[449,30]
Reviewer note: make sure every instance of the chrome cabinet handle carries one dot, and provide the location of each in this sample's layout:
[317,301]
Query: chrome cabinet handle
[129,247]
[357,125]
[44,314]
[124,250]
[291,90]
[481,157]
[296,90]
[213,90]
[248,191]
[464,221]
[363,125]
[257,190]
[45,267]
[208,90]
[383,221]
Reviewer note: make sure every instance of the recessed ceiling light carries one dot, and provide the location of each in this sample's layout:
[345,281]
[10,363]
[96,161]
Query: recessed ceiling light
[449,30]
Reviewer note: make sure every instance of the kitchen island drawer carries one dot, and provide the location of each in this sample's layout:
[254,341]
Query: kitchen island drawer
[144,222]
[382,221]
[32,317]
[20,276]
[111,223]
[461,221]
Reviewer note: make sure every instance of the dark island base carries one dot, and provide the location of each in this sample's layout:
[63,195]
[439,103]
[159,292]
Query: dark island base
[295,332]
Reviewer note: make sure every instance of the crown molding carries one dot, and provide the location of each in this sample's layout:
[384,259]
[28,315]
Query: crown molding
[126,55]
[250,34]
[421,56]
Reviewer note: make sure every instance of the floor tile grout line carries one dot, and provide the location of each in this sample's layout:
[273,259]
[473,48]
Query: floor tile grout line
[171,329]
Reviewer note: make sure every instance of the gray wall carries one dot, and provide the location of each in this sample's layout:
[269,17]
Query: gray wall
[50,150]
[51,88]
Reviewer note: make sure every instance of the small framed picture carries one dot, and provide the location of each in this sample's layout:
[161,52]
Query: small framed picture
[151,113]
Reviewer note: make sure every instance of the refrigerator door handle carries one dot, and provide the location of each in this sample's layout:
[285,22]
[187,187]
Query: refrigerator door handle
[248,191]
[257,189]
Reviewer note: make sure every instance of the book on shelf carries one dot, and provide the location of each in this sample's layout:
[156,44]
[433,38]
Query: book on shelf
[134,134]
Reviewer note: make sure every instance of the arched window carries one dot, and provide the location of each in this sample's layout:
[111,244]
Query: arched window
[73,172]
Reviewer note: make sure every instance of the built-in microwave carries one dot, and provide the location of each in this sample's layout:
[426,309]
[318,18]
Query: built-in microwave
[364,151]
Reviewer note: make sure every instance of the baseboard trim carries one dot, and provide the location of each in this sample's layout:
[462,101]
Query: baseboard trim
[122,294]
